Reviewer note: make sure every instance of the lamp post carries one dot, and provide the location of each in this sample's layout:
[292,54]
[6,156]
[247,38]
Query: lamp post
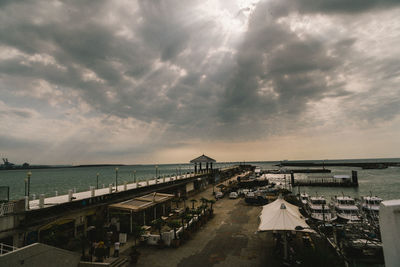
[116,179]
[156,171]
[29,174]
[134,176]
[97,181]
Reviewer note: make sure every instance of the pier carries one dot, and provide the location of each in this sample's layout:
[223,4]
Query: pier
[335,181]
[363,165]
[22,222]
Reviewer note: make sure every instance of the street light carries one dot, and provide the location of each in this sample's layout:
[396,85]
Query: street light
[116,179]
[134,176]
[97,181]
[156,171]
[29,174]
[27,189]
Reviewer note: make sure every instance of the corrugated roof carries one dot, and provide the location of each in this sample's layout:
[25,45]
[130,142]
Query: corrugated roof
[202,158]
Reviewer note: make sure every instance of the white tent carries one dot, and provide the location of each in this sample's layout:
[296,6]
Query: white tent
[280,215]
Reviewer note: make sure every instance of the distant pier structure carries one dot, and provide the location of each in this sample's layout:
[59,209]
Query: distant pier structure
[335,181]
[203,159]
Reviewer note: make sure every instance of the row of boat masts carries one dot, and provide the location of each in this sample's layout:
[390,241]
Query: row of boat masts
[342,208]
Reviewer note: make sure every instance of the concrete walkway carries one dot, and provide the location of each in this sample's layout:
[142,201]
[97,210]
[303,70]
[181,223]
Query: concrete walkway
[229,239]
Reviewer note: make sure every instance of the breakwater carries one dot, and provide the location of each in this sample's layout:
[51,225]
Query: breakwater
[363,165]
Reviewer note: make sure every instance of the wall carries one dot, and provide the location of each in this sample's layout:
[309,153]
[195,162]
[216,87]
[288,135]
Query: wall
[389,220]
[38,255]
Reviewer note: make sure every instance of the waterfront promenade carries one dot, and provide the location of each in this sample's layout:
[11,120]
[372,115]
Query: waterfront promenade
[229,239]
[78,196]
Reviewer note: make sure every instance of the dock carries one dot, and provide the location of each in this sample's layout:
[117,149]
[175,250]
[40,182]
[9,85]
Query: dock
[335,181]
[23,221]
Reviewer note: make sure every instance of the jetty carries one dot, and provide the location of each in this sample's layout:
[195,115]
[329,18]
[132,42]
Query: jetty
[334,181]
[26,221]
[363,165]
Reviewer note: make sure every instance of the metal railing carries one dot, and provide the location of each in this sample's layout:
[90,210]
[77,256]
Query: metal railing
[6,208]
[6,248]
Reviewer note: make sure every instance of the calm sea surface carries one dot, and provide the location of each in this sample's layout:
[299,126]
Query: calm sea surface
[384,183]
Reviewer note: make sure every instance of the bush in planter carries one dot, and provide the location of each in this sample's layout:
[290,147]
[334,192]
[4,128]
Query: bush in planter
[211,207]
[158,224]
[193,201]
[174,225]
[137,231]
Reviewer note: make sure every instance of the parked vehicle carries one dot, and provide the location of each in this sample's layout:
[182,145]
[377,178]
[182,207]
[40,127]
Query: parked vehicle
[233,195]
[219,195]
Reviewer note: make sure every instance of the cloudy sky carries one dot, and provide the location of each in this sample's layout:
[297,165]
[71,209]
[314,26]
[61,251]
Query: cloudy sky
[164,81]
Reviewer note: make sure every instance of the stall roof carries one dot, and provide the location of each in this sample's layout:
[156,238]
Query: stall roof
[143,202]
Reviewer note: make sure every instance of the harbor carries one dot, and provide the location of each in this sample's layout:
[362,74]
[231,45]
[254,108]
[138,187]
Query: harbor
[197,215]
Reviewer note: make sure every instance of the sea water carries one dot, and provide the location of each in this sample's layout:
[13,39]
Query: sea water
[48,181]
[384,183]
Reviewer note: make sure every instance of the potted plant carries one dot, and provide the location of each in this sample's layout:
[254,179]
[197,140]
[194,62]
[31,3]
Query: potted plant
[174,225]
[158,224]
[193,201]
[137,232]
[184,198]
[211,201]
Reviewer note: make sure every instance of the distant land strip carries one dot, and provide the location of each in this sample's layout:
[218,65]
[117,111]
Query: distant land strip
[31,167]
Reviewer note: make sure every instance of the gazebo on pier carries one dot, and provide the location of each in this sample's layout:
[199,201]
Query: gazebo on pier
[201,160]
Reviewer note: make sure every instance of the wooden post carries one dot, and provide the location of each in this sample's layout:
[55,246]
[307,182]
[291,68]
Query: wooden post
[131,222]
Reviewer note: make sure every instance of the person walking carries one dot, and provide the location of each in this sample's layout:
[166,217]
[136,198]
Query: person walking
[116,249]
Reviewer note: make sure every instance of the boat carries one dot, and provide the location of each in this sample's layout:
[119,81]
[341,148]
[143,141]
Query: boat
[257,171]
[370,206]
[346,209]
[319,210]
[304,197]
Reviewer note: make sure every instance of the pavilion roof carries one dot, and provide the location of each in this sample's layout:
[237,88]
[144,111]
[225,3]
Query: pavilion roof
[203,158]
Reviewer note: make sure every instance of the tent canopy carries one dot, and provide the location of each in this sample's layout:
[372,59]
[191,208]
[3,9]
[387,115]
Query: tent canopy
[280,215]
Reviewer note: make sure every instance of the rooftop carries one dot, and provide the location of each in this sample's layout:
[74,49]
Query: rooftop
[143,202]
[202,159]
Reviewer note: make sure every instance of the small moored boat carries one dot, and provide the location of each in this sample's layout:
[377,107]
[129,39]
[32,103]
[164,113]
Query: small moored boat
[319,210]
[346,209]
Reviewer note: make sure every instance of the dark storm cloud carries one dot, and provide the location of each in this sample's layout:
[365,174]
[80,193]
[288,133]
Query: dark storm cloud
[277,73]
[166,62]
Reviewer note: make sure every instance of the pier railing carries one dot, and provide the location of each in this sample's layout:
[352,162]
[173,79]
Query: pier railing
[6,208]
[6,248]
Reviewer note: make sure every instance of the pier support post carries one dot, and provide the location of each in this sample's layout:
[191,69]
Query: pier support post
[164,179]
[125,186]
[92,194]
[70,194]
[131,222]
[41,201]
[26,203]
